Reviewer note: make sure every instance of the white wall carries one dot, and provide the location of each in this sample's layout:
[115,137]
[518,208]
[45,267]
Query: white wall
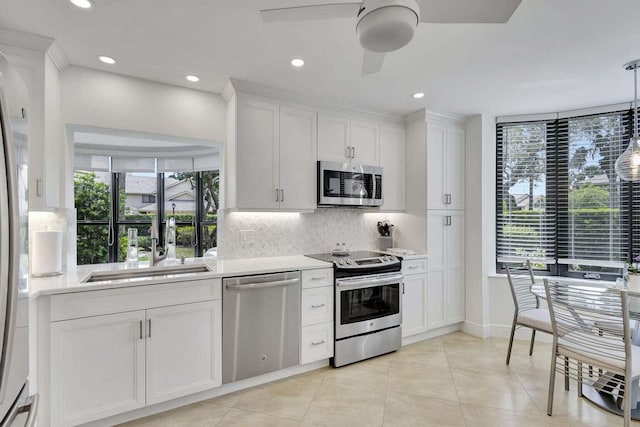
[97,98]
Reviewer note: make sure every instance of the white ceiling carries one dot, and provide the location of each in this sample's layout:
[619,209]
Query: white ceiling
[552,55]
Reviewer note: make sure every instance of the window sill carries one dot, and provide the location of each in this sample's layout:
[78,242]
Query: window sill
[607,283]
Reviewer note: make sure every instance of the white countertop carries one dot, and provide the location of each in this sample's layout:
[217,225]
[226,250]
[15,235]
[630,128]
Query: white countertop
[72,281]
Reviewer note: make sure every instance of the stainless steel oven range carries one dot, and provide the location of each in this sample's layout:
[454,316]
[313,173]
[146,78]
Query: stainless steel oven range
[368,305]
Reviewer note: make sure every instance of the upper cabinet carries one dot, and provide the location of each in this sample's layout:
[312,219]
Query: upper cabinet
[445,166]
[40,75]
[392,160]
[342,139]
[273,146]
[274,156]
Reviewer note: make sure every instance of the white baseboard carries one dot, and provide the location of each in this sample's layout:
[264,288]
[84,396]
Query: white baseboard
[503,331]
[431,334]
[476,329]
[209,394]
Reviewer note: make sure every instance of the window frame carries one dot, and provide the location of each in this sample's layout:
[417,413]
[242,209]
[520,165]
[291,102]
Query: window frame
[116,222]
[557,155]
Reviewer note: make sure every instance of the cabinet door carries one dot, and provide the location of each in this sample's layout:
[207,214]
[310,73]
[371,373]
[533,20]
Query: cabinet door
[97,367]
[298,170]
[455,167]
[257,154]
[414,299]
[392,160]
[436,283]
[333,138]
[365,142]
[183,350]
[454,253]
[436,140]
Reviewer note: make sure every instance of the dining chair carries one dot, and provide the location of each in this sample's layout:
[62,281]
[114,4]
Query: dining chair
[527,306]
[591,330]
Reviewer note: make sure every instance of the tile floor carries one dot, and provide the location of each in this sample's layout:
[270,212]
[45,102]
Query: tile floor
[453,380]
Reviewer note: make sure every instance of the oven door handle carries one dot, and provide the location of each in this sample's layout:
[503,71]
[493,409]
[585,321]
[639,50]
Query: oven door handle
[369,282]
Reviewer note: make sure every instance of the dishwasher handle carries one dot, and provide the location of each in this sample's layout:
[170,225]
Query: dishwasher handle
[262,285]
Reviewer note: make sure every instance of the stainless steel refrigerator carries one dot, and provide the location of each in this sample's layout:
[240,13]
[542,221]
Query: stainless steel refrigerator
[14,297]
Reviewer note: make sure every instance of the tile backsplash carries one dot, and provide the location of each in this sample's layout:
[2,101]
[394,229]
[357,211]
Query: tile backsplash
[263,234]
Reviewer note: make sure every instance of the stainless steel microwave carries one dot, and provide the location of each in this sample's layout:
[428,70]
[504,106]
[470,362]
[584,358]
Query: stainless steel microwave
[348,184]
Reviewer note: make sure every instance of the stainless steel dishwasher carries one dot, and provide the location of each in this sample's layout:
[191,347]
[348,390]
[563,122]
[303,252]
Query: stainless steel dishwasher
[260,324]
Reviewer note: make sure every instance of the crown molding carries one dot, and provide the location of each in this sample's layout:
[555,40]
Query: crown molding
[270,92]
[424,114]
[25,40]
[57,56]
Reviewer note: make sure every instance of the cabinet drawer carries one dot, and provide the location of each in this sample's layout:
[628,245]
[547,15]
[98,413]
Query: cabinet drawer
[317,278]
[316,342]
[94,303]
[317,305]
[414,266]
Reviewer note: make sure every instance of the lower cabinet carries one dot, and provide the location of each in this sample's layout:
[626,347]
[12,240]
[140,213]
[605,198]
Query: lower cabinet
[414,296]
[109,364]
[181,350]
[316,315]
[98,367]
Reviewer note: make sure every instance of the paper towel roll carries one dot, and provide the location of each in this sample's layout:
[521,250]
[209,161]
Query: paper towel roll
[46,253]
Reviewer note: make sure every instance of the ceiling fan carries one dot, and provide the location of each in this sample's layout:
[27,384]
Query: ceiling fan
[386,25]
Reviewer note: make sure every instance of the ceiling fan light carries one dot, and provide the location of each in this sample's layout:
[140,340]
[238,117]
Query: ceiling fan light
[387,29]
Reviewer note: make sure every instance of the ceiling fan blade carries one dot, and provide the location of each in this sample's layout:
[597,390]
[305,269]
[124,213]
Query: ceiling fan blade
[371,62]
[467,11]
[317,11]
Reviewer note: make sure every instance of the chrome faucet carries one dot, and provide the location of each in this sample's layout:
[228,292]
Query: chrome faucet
[154,258]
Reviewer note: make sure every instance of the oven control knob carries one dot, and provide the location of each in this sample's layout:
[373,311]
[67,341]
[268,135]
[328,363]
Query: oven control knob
[387,258]
[349,261]
[341,262]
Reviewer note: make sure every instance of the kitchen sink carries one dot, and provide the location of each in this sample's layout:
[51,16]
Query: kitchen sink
[144,273]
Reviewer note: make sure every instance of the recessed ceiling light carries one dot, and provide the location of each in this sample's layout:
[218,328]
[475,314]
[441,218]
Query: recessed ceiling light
[192,78]
[107,60]
[418,95]
[297,62]
[85,4]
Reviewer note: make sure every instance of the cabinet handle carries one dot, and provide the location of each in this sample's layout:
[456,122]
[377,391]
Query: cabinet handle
[353,152]
[317,278]
[318,342]
[317,306]
[149,328]
[277,195]
[348,150]
[38,187]
[281,195]
[141,329]
[412,267]
[402,288]
[447,220]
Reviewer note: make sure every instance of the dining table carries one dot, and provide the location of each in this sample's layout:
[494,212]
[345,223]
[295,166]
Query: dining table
[593,392]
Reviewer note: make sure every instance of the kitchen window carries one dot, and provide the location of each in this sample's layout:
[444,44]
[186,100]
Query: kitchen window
[559,200]
[191,198]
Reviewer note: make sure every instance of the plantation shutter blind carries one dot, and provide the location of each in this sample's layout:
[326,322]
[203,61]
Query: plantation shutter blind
[593,226]
[526,201]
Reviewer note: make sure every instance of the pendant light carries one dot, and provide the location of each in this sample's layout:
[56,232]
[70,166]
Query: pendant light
[628,164]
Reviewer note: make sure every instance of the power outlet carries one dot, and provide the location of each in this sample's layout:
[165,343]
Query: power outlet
[246,237]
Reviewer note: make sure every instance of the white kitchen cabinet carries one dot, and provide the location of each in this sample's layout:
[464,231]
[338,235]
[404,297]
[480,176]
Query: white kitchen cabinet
[414,296]
[98,367]
[275,156]
[392,160]
[316,315]
[297,151]
[258,161]
[46,141]
[445,166]
[105,362]
[183,347]
[445,280]
[341,139]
